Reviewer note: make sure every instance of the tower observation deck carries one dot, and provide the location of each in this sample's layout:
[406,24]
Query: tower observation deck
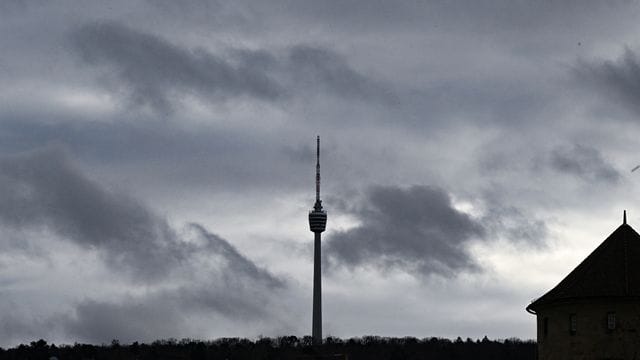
[317,224]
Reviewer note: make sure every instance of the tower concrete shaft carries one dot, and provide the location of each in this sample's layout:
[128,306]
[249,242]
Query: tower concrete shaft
[317,224]
[316,326]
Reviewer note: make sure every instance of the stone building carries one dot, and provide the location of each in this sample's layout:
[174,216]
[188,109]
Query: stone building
[594,312]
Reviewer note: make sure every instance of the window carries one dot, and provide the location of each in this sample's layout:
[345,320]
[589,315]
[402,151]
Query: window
[611,321]
[573,324]
[545,326]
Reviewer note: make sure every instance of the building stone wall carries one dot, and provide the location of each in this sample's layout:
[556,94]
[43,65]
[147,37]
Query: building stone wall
[592,339]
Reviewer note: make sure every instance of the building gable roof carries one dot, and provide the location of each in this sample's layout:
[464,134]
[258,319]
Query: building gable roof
[611,270]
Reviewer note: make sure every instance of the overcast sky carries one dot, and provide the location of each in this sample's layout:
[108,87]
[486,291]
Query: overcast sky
[157,163]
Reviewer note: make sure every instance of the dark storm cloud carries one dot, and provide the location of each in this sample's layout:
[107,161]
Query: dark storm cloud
[584,162]
[618,80]
[415,229]
[153,71]
[43,189]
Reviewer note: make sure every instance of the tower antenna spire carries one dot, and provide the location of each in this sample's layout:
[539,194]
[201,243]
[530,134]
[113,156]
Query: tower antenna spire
[318,171]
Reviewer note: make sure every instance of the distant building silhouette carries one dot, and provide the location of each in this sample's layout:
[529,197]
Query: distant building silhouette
[594,313]
[317,224]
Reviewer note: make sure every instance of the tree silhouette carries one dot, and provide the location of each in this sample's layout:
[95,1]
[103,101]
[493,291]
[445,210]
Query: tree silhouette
[286,347]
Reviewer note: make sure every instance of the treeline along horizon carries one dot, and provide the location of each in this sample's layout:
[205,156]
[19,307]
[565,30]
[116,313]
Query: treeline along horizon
[285,347]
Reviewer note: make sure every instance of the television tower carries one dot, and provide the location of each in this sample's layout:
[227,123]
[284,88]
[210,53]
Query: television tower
[317,223]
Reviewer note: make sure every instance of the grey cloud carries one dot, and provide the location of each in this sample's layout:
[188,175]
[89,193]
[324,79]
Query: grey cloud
[205,274]
[234,289]
[302,153]
[314,65]
[514,224]
[415,229]
[235,262]
[100,322]
[371,16]
[14,6]
[618,80]
[153,71]
[168,313]
[490,101]
[19,326]
[209,158]
[418,230]
[583,162]
[43,189]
